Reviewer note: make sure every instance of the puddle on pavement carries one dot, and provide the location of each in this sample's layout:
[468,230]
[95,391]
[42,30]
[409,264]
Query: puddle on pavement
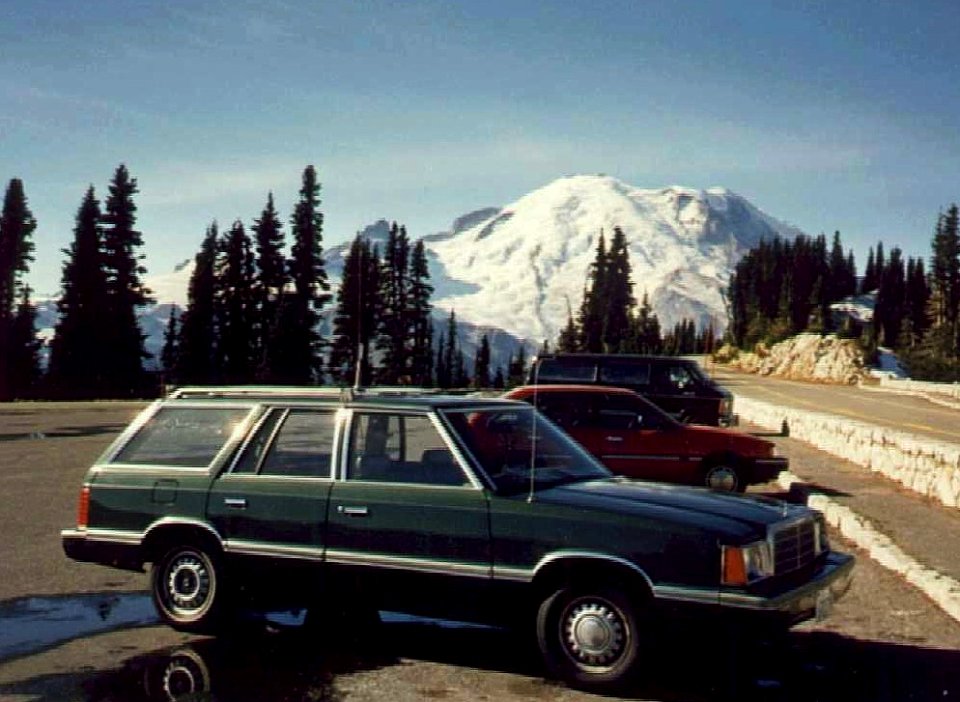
[37,623]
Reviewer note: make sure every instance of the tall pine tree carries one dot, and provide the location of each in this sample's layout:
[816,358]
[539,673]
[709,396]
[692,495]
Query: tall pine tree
[270,281]
[420,313]
[196,356]
[235,306]
[394,336]
[16,247]
[357,311]
[123,266]
[300,343]
[78,367]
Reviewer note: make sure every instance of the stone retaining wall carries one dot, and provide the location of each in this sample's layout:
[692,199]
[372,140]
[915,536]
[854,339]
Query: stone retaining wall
[924,388]
[926,466]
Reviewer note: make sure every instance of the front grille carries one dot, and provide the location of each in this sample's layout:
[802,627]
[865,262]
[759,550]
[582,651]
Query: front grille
[794,546]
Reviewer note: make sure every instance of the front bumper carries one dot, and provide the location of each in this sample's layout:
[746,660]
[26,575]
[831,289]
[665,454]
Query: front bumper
[812,599]
[766,469]
[791,604]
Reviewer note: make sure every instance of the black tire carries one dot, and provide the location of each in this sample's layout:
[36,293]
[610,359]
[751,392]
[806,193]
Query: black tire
[724,476]
[590,637]
[187,591]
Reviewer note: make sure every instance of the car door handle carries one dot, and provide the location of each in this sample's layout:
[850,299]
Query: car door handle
[235,502]
[353,511]
[613,438]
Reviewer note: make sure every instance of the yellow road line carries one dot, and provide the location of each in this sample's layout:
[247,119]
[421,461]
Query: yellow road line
[869,419]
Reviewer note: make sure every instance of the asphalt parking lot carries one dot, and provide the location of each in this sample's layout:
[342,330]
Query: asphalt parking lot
[75,631]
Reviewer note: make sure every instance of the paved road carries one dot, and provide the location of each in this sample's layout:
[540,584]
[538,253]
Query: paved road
[82,632]
[907,413]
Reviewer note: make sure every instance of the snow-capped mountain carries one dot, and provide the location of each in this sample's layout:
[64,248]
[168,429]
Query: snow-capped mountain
[527,263]
[514,272]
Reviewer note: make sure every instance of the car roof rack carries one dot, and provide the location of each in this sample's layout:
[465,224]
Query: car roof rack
[299,391]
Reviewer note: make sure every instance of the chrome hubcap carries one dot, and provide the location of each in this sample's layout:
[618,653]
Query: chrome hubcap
[722,478]
[188,583]
[594,633]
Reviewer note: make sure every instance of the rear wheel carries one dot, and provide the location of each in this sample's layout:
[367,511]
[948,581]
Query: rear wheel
[186,588]
[589,636]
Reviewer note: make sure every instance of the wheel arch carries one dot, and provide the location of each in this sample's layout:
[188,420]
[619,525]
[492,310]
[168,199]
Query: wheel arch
[170,531]
[571,568]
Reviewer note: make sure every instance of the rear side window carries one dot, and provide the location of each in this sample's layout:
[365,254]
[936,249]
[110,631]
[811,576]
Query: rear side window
[186,437]
[625,373]
[551,370]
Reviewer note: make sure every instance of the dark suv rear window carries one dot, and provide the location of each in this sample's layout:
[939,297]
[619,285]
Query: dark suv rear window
[566,371]
[625,373]
[186,437]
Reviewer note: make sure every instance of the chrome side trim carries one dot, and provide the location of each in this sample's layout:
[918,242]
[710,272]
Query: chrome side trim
[419,565]
[240,547]
[674,593]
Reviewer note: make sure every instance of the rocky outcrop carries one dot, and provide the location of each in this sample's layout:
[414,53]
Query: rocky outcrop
[825,359]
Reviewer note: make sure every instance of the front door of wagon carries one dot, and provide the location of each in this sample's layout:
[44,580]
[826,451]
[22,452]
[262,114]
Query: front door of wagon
[406,526]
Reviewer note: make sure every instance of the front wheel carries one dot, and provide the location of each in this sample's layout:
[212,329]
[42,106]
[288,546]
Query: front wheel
[725,476]
[186,589]
[589,637]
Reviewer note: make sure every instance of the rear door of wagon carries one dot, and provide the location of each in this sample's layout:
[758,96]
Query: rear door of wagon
[270,505]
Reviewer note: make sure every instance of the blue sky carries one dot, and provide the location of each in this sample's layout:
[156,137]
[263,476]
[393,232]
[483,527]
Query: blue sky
[828,115]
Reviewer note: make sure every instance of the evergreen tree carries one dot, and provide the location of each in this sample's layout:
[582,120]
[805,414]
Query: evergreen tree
[945,280]
[916,302]
[517,370]
[569,335]
[481,365]
[77,362]
[890,310]
[16,248]
[441,371]
[618,294]
[168,356]
[24,358]
[870,276]
[421,318]
[594,297]
[235,306]
[499,382]
[271,279]
[300,343]
[196,359]
[355,321]
[395,327]
[123,346]
[455,373]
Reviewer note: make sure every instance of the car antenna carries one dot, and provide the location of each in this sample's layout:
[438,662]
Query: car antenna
[533,430]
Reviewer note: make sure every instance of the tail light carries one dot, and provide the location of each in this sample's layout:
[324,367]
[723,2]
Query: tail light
[83,507]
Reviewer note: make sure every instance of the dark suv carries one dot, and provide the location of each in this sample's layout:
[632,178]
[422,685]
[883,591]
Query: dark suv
[678,386]
[457,507]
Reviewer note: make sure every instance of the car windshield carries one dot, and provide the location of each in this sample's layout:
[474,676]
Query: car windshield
[519,449]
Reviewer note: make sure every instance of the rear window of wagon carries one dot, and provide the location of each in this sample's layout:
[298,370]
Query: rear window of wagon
[185,437]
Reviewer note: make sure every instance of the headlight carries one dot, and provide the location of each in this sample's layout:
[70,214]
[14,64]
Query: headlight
[745,564]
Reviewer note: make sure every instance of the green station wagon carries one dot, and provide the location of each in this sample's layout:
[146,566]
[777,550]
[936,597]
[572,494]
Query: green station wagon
[453,507]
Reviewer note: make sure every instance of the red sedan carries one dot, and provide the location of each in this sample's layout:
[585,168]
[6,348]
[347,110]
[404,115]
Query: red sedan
[633,437]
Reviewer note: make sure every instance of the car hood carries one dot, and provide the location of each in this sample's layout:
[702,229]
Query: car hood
[731,514]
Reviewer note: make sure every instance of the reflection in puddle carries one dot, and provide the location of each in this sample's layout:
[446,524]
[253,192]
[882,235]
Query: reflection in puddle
[36,623]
